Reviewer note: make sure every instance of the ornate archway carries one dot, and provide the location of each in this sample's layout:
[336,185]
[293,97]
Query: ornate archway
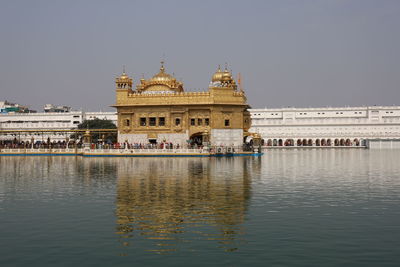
[289,142]
[356,142]
[348,142]
[196,139]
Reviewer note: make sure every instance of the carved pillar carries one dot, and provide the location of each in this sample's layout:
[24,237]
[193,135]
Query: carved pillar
[87,139]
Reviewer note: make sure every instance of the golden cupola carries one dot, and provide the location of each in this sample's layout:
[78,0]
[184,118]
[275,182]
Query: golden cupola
[223,79]
[217,77]
[162,82]
[124,81]
[226,76]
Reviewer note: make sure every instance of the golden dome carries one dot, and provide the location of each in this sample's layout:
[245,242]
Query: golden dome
[217,77]
[161,82]
[162,76]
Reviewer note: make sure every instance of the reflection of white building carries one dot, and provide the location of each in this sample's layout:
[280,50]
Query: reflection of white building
[47,121]
[343,126]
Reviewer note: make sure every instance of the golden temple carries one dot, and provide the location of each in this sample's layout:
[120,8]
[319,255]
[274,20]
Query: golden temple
[159,110]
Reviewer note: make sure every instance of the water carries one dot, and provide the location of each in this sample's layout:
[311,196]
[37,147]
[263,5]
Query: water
[287,208]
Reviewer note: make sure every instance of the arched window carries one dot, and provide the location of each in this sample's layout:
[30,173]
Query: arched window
[304,143]
[356,142]
[337,143]
[348,142]
[298,142]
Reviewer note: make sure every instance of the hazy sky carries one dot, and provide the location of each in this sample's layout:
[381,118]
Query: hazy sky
[289,53]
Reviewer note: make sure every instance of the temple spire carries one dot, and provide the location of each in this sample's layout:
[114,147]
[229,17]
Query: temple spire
[162,66]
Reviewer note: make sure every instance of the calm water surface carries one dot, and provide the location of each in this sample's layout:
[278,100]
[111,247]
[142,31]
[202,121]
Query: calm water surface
[287,208]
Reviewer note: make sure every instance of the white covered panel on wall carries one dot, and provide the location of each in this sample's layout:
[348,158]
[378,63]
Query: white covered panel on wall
[133,138]
[174,138]
[226,137]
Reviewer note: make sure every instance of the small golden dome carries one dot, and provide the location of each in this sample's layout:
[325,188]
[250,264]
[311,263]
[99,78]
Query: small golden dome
[217,77]
[123,76]
[226,76]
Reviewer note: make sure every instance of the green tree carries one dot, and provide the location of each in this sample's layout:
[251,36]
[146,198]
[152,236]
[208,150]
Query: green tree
[97,124]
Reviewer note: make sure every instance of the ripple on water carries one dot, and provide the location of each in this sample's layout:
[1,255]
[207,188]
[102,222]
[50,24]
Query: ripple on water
[287,208]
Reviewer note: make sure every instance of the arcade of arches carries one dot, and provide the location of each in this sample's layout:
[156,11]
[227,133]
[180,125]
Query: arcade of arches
[315,142]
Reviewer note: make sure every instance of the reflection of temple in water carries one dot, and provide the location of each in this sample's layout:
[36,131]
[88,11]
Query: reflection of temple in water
[170,200]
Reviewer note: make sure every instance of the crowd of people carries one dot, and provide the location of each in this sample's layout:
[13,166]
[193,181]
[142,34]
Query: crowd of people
[15,144]
[39,144]
[163,145]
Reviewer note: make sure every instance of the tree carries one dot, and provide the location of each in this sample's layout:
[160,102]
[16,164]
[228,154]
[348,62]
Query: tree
[97,124]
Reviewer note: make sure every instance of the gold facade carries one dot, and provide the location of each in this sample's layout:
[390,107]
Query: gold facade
[159,107]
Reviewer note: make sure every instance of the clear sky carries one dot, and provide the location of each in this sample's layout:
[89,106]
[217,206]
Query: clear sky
[289,52]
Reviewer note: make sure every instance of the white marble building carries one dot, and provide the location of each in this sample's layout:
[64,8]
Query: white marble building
[47,121]
[342,126]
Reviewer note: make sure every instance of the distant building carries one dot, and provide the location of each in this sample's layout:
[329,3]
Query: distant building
[342,126]
[47,121]
[49,108]
[8,107]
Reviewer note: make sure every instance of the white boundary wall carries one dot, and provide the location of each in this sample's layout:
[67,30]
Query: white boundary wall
[383,144]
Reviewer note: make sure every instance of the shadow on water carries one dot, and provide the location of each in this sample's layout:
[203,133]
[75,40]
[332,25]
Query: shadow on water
[166,203]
